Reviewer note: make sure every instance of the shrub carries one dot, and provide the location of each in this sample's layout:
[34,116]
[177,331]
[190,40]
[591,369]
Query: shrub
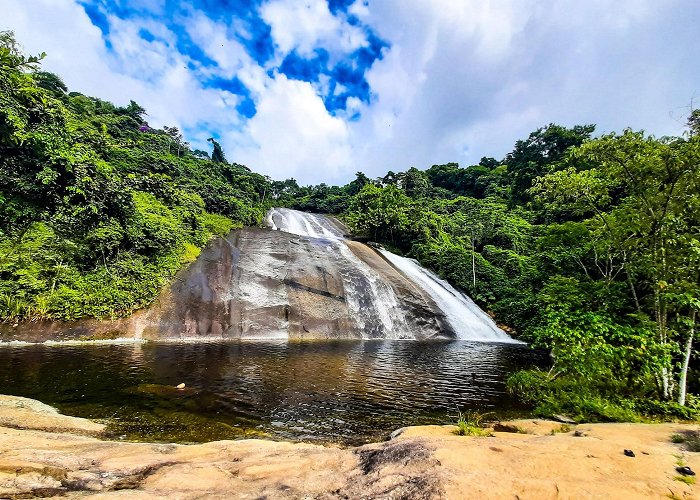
[471,424]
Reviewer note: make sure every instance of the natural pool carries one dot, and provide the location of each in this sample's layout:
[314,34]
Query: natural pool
[342,391]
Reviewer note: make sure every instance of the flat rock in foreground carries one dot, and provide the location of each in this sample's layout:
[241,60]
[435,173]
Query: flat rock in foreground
[25,413]
[421,462]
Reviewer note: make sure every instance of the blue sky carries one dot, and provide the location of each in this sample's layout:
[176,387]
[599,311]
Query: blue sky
[342,67]
[319,89]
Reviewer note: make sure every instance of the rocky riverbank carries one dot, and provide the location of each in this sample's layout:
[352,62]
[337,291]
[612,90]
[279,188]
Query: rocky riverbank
[44,453]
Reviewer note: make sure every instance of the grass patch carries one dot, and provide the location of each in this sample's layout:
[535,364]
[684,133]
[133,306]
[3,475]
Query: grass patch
[471,424]
[685,479]
[563,429]
[597,401]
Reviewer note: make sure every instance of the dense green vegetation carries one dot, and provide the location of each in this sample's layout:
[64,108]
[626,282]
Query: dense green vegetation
[586,246]
[97,209]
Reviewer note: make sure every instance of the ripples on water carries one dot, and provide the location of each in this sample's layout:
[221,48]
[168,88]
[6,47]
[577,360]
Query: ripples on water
[349,392]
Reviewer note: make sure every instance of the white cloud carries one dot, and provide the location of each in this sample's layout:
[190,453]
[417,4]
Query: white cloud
[138,58]
[360,8]
[212,37]
[307,25]
[293,135]
[467,79]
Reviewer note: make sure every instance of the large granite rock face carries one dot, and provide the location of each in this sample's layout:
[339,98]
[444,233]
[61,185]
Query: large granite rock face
[261,283]
[267,284]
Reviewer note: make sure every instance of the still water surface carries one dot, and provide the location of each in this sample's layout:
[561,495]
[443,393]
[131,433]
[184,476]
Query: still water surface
[347,392]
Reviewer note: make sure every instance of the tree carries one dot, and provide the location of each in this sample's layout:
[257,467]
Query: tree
[381,212]
[694,122]
[415,183]
[217,155]
[488,162]
[639,196]
[360,181]
[135,111]
[11,56]
[198,153]
[536,155]
[51,82]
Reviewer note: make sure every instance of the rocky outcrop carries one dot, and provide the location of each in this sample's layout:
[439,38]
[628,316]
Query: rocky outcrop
[24,413]
[266,284]
[259,283]
[44,464]
[542,460]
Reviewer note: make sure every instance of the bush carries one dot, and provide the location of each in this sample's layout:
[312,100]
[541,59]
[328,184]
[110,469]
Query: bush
[665,410]
[218,224]
[471,424]
[568,396]
[585,401]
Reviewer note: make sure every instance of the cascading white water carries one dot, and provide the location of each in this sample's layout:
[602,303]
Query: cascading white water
[372,301]
[375,307]
[465,317]
[302,224]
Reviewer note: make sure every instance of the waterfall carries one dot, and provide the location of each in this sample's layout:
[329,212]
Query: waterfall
[466,318]
[373,303]
[303,224]
[377,310]
[301,280]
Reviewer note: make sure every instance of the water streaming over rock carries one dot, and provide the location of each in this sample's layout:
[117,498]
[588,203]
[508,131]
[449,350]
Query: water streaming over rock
[465,319]
[371,300]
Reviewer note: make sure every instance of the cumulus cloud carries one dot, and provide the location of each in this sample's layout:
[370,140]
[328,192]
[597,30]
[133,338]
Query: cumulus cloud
[293,135]
[467,79]
[212,37]
[300,89]
[305,26]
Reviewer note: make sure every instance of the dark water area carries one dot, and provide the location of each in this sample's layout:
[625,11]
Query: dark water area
[346,392]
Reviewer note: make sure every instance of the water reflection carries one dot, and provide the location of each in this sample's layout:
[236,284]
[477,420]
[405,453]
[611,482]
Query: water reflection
[344,391]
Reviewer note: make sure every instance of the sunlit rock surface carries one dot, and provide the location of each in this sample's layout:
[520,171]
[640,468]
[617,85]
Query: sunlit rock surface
[541,460]
[262,283]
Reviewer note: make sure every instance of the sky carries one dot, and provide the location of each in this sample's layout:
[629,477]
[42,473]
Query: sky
[320,89]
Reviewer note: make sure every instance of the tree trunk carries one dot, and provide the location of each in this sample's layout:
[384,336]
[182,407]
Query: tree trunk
[473,262]
[686,361]
[634,292]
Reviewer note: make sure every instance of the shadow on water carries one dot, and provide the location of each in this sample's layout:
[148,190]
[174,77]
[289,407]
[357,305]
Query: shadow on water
[346,392]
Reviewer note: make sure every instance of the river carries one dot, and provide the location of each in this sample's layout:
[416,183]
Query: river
[349,392]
